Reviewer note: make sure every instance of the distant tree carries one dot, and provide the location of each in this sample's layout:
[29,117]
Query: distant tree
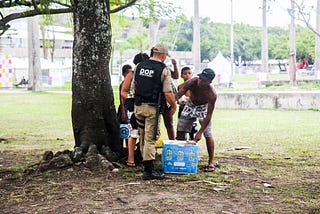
[215,37]
[304,15]
[247,41]
[138,40]
[174,31]
[120,24]
[305,40]
[183,31]
[278,42]
[44,22]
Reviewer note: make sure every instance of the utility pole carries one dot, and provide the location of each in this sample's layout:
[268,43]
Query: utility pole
[292,54]
[196,39]
[231,43]
[264,40]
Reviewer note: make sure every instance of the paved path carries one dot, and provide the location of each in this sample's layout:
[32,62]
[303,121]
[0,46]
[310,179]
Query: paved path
[25,91]
[257,91]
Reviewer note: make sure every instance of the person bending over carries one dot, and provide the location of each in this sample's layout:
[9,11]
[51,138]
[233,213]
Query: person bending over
[200,105]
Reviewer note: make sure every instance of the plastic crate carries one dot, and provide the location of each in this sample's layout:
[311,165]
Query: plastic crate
[180,157]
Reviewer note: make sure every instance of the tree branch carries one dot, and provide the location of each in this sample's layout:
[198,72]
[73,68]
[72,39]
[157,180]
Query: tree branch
[35,5]
[37,11]
[5,3]
[128,4]
[306,20]
[60,3]
[31,13]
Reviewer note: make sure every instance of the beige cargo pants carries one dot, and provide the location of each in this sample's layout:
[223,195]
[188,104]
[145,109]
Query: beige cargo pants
[146,117]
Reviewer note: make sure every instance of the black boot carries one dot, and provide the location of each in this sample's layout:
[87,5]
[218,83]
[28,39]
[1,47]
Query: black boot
[149,173]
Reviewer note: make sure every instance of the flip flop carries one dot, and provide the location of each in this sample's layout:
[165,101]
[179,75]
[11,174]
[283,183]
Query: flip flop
[210,168]
[131,164]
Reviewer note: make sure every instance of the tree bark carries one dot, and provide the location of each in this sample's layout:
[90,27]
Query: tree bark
[93,110]
[292,55]
[35,74]
[317,46]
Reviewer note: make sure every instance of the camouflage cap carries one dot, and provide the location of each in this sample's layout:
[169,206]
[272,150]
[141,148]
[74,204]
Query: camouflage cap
[160,48]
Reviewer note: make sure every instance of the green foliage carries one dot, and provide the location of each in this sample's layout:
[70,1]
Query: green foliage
[120,25]
[305,43]
[179,34]
[44,4]
[116,3]
[247,42]
[215,37]
[173,30]
[147,11]
[154,10]
[278,43]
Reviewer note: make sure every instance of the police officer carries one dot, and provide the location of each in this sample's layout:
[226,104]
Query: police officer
[152,77]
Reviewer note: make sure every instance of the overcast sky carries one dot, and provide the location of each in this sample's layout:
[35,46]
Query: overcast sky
[245,11]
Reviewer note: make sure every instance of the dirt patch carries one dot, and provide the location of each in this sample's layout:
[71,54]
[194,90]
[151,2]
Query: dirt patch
[240,185]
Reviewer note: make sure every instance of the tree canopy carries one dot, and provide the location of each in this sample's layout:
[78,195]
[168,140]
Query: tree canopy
[215,37]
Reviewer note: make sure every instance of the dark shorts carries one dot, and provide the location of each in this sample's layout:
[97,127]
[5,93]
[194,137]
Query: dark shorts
[133,122]
[190,114]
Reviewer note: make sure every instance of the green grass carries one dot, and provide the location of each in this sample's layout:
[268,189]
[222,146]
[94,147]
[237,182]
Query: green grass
[43,121]
[35,121]
[268,132]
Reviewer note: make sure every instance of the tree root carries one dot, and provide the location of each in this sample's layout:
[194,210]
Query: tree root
[92,159]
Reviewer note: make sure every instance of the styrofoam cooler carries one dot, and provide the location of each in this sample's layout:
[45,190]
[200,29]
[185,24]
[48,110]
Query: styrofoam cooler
[180,157]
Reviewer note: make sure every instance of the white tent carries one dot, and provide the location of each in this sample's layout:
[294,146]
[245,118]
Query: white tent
[221,67]
[52,74]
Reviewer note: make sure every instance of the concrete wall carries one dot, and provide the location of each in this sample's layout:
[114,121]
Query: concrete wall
[269,100]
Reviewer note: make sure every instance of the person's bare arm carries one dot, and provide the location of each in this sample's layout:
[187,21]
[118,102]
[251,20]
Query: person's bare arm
[122,108]
[126,86]
[185,87]
[171,101]
[175,71]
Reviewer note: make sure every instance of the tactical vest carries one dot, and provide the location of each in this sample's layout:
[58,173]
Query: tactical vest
[148,83]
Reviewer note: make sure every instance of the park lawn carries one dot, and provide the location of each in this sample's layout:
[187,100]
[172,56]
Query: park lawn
[242,78]
[35,121]
[43,121]
[255,149]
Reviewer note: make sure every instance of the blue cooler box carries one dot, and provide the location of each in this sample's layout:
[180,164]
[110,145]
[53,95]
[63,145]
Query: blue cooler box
[180,157]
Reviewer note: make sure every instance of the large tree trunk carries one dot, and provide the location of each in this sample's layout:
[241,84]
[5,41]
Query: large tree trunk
[317,46]
[93,111]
